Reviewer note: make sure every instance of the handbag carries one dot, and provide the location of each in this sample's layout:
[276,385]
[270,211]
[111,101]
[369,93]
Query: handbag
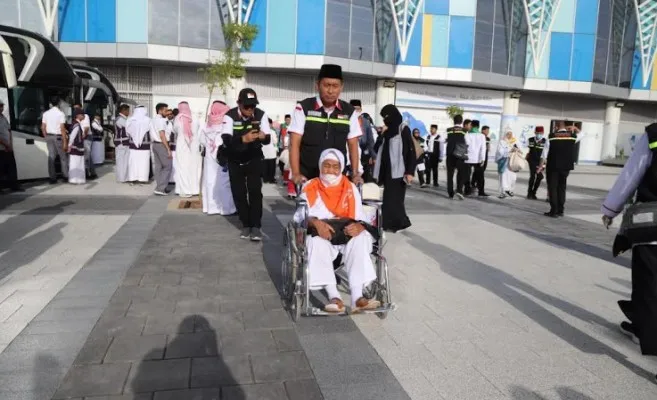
[338,225]
[461,151]
[517,162]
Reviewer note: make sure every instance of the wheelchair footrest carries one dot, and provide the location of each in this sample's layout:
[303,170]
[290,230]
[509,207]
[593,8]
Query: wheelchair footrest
[383,309]
[319,312]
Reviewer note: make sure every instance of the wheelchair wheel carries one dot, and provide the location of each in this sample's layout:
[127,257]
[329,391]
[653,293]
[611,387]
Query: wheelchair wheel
[297,302]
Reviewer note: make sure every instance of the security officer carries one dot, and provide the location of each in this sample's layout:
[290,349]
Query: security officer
[245,130]
[639,174]
[323,122]
[536,145]
[559,158]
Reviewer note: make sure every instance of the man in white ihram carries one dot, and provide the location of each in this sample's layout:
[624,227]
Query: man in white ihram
[333,196]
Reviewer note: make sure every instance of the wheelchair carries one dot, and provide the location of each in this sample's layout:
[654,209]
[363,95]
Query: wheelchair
[295,269]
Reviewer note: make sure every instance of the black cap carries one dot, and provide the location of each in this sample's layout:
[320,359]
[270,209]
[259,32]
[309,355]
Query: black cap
[434,126]
[248,97]
[76,112]
[330,71]
[355,103]
[288,116]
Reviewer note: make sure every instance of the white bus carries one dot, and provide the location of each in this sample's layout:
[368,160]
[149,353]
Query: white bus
[33,72]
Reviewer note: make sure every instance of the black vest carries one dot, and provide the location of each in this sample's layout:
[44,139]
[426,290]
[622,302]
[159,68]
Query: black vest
[77,147]
[120,136]
[172,137]
[535,149]
[243,153]
[455,135]
[322,131]
[561,155]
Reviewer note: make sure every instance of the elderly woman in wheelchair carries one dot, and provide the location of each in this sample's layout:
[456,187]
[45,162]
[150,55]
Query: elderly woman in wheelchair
[336,225]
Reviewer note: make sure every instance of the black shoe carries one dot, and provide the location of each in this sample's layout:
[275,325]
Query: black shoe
[436,185]
[245,233]
[52,181]
[484,194]
[550,214]
[560,214]
[256,234]
[628,330]
[17,189]
[509,193]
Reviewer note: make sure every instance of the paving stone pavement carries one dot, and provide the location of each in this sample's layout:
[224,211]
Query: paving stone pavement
[495,302]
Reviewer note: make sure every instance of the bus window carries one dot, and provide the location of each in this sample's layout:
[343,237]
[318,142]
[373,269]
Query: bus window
[28,107]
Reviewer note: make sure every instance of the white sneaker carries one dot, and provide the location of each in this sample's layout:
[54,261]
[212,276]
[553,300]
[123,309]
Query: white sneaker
[459,196]
[158,193]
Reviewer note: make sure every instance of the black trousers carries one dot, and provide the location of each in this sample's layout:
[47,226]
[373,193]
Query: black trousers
[535,179]
[432,169]
[644,297]
[269,170]
[557,181]
[455,165]
[367,168]
[478,178]
[8,172]
[246,185]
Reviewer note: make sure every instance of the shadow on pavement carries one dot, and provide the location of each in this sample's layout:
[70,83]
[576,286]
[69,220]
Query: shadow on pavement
[512,290]
[26,250]
[589,250]
[153,370]
[565,393]
[45,369]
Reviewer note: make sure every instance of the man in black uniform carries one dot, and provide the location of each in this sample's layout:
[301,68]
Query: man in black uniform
[558,158]
[639,174]
[245,129]
[536,145]
[456,154]
[323,122]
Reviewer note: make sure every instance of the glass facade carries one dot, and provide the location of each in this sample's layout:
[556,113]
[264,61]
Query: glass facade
[583,40]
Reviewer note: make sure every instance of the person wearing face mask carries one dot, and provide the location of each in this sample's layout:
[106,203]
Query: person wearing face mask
[334,201]
[394,168]
[536,145]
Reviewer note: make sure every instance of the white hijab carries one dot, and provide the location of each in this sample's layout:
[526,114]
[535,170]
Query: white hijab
[138,125]
[331,154]
[504,146]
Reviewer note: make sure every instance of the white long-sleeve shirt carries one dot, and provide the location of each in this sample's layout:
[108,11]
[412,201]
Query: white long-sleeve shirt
[476,147]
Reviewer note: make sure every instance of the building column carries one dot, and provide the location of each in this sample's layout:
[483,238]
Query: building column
[509,112]
[385,94]
[610,131]
[233,91]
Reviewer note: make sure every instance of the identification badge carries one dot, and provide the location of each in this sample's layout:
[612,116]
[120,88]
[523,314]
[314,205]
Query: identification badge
[313,113]
[643,218]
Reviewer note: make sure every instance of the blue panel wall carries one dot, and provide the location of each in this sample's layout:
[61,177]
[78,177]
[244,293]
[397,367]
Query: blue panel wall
[311,27]
[436,7]
[101,21]
[414,54]
[282,31]
[461,42]
[259,18]
[586,17]
[439,41]
[71,20]
[560,53]
[583,53]
[132,21]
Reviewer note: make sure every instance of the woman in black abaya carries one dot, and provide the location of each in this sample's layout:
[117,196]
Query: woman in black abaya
[394,168]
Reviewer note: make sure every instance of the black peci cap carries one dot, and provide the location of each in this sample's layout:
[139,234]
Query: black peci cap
[355,103]
[248,97]
[76,112]
[332,71]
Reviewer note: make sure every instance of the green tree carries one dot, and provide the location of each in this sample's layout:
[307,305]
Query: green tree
[218,74]
[454,110]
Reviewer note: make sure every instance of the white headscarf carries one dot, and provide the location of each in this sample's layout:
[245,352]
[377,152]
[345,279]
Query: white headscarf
[138,125]
[331,154]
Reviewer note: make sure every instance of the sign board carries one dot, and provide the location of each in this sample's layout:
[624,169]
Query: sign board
[440,97]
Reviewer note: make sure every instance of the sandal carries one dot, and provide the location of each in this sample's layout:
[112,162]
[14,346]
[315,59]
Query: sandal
[335,306]
[366,304]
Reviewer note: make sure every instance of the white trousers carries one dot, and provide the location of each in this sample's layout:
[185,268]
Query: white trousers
[507,181]
[76,170]
[356,258]
[122,162]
